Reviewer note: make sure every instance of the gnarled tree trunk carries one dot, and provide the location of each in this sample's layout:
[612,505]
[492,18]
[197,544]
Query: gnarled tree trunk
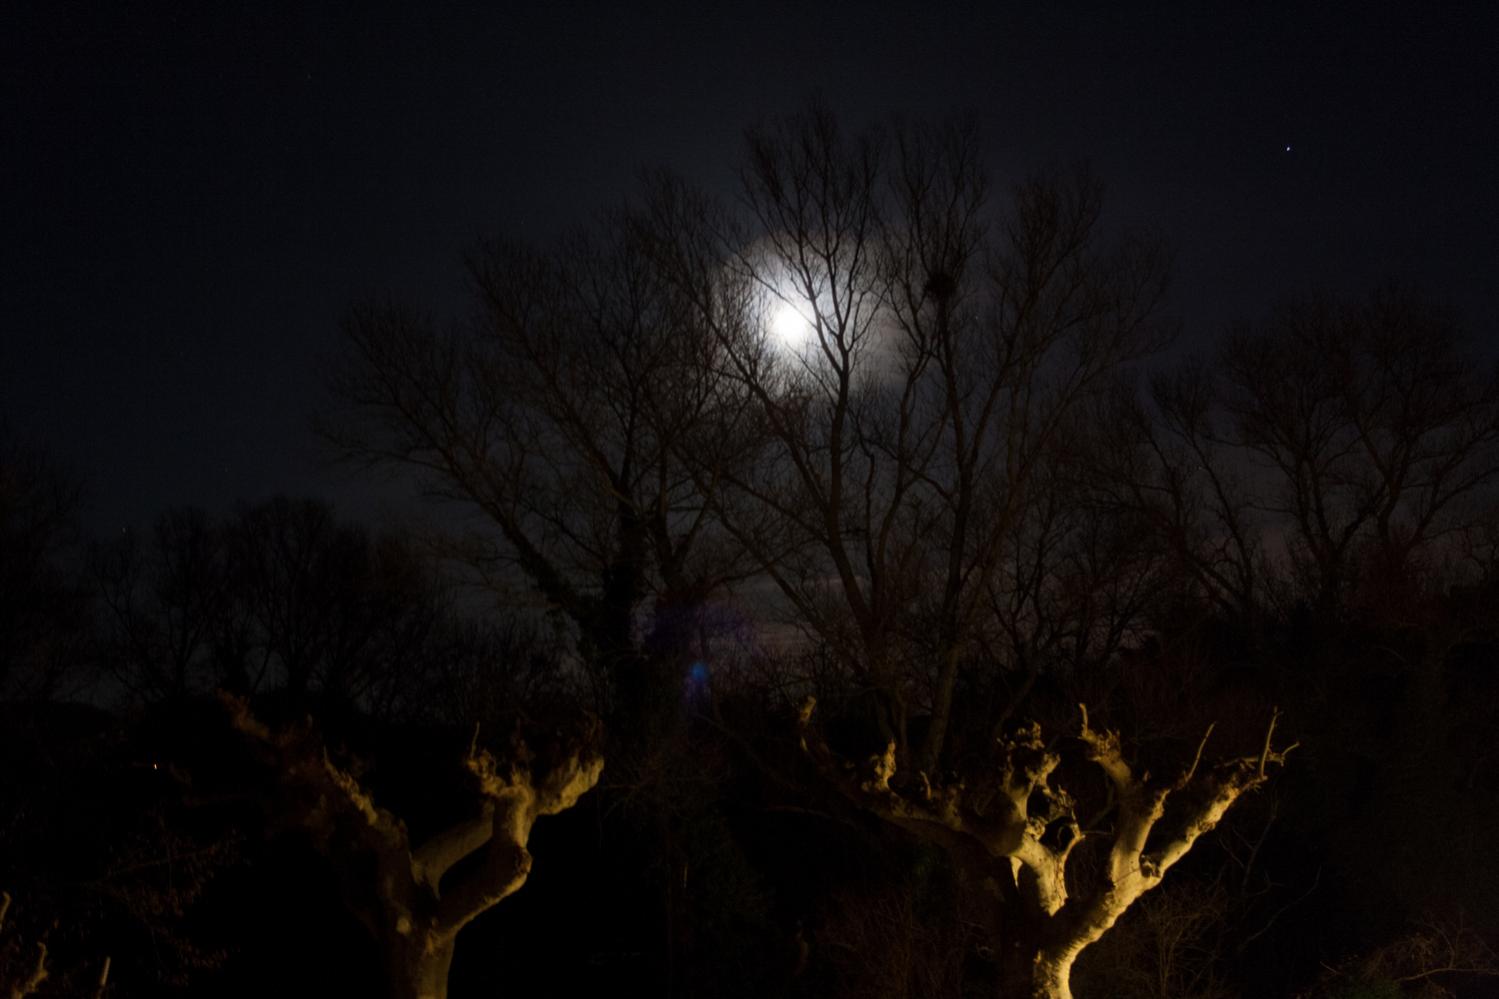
[1017,830]
[417,965]
[417,903]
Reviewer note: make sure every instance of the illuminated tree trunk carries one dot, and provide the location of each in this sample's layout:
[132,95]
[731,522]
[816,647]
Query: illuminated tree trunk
[1015,826]
[1052,977]
[1028,970]
[416,903]
[418,966]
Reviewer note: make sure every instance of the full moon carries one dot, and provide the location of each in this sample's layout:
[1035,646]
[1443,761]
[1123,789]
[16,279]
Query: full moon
[788,326]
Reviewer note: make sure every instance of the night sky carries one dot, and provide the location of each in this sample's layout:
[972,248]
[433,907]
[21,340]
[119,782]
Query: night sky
[192,194]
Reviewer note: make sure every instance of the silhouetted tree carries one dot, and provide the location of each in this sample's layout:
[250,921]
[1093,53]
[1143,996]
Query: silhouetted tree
[553,415]
[1164,463]
[43,606]
[297,576]
[284,596]
[1333,451]
[164,599]
[905,431]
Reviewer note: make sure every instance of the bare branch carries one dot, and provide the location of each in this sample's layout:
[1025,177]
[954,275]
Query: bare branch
[419,902]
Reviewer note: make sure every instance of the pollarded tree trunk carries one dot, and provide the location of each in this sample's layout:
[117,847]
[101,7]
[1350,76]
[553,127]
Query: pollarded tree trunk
[1012,825]
[416,903]
[417,965]
[1053,975]
[1029,969]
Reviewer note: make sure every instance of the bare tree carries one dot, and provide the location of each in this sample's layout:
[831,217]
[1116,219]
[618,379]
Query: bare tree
[553,415]
[414,899]
[282,596]
[1164,461]
[938,351]
[43,609]
[1077,579]
[1427,961]
[296,574]
[1358,438]
[1380,427]
[163,601]
[1168,946]
[1015,828]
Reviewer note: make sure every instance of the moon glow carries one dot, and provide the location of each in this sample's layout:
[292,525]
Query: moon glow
[788,326]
